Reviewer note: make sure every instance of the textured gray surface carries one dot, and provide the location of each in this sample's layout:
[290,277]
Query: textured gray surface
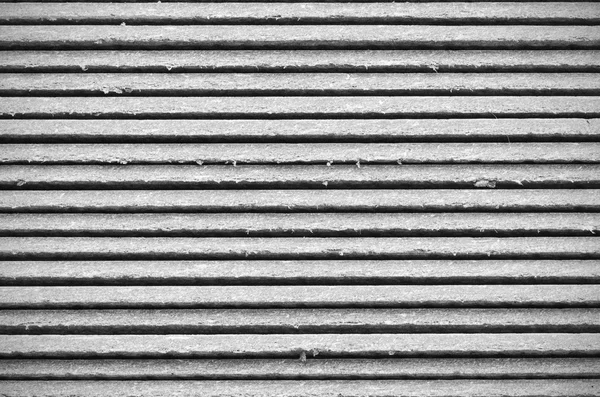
[259,321]
[369,296]
[399,176]
[291,200]
[394,199]
[301,107]
[385,37]
[313,345]
[302,131]
[193,84]
[301,225]
[312,272]
[378,388]
[297,153]
[347,368]
[302,61]
[290,13]
[299,248]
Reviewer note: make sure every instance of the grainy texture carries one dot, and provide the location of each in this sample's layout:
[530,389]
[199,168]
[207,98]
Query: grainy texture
[288,153]
[355,321]
[299,176]
[299,199]
[395,368]
[376,200]
[327,296]
[301,61]
[307,131]
[281,345]
[274,272]
[298,37]
[299,248]
[261,84]
[300,107]
[346,388]
[290,13]
[300,225]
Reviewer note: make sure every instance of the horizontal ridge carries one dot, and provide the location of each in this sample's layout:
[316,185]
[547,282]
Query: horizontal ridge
[298,321]
[297,13]
[310,37]
[320,296]
[300,225]
[356,61]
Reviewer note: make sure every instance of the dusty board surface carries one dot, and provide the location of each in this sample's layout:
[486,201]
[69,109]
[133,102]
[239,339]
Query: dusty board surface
[299,199]
[298,84]
[299,248]
[385,37]
[310,272]
[270,107]
[301,225]
[301,61]
[278,345]
[406,153]
[294,13]
[399,296]
[355,321]
[437,388]
[480,176]
[301,131]
[260,369]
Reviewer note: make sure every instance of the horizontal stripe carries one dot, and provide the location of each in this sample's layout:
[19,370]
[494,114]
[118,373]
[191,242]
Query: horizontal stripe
[299,107]
[299,272]
[299,248]
[298,37]
[297,225]
[290,13]
[329,296]
[301,61]
[278,345]
[260,84]
[264,321]
[308,131]
[324,153]
[358,388]
[522,200]
[406,368]
[298,176]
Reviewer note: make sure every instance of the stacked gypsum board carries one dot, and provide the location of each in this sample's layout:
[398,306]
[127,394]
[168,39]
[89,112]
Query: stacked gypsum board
[299,199]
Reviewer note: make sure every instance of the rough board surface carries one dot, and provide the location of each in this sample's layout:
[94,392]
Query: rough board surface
[299,199]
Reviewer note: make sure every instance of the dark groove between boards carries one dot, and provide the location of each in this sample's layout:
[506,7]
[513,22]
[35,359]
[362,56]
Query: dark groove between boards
[161,69]
[171,256]
[316,116]
[83,307]
[109,162]
[84,93]
[290,330]
[351,46]
[308,185]
[288,356]
[572,209]
[301,21]
[237,140]
[172,282]
[297,233]
[178,377]
[291,139]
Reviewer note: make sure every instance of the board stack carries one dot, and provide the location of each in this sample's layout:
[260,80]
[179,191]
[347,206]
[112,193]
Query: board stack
[299,199]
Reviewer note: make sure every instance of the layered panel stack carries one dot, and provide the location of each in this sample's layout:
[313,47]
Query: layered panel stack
[300,199]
